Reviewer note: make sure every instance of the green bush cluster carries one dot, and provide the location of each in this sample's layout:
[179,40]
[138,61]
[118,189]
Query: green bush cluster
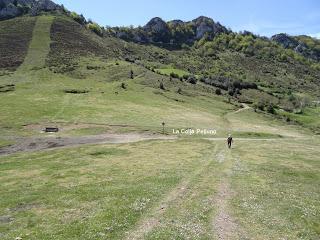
[94,27]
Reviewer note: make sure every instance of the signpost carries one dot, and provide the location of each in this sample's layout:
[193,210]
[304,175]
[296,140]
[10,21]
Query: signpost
[163,124]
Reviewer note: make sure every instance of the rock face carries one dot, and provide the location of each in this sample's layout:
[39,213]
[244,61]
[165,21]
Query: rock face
[285,40]
[298,45]
[207,25]
[172,32]
[157,29]
[15,8]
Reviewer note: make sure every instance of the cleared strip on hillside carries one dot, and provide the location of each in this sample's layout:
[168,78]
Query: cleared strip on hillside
[40,44]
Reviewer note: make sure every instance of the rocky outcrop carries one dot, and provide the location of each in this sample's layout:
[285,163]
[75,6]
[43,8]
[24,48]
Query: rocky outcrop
[285,40]
[298,45]
[207,25]
[175,32]
[157,30]
[15,8]
[156,25]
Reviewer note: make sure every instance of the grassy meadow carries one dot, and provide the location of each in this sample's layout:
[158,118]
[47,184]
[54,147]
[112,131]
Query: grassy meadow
[191,187]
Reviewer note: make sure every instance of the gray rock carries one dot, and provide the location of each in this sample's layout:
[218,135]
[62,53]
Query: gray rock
[285,40]
[156,25]
[14,8]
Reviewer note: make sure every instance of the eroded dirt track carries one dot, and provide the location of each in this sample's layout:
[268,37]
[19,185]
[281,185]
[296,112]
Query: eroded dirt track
[37,144]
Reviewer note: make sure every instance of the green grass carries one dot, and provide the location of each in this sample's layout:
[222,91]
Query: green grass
[309,117]
[276,184]
[168,71]
[96,192]
[40,44]
[100,192]
[5,143]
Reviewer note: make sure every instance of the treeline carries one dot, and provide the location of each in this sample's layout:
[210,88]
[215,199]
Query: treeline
[228,84]
[94,27]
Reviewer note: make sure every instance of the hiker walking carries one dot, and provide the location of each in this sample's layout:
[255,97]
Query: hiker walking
[229,140]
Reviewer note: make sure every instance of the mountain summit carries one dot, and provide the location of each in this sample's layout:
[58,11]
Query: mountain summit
[172,32]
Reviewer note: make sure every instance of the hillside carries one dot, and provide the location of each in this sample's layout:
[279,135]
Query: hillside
[119,167]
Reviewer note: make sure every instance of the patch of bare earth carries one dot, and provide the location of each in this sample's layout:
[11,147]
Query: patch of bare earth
[224,226]
[32,144]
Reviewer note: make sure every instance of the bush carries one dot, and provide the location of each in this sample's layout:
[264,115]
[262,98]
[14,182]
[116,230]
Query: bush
[94,27]
[259,105]
[231,91]
[218,91]
[162,86]
[192,80]
[270,109]
[78,18]
[179,91]
[185,77]
[174,75]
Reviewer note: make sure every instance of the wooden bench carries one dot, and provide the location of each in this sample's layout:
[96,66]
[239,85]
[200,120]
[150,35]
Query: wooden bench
[51,129]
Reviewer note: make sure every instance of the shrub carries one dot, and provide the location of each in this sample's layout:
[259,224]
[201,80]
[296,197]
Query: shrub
[259,105]
[192,80]
[231,91]
[179,91]
[78,18]
[94,27]
[123,86]
[162,86]
[270,109]
[185,77]
[174,75]
[218,91]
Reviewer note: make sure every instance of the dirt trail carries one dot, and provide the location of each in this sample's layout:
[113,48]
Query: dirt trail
[244,108]
[152,220]
[38,144]
[223,225]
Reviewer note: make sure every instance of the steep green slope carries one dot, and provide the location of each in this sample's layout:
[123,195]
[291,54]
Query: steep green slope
[39,46]
[15,36]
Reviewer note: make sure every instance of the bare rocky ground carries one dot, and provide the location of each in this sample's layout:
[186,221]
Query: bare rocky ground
[32,144]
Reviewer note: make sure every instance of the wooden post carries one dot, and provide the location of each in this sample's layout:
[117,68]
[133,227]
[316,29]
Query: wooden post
[163,124]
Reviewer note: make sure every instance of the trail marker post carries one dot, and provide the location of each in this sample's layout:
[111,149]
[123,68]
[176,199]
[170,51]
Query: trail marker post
[163,124]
